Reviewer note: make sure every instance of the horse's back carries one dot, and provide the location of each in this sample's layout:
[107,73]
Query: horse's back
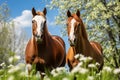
[97,46]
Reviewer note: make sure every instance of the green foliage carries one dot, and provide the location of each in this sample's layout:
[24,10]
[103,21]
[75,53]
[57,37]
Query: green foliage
[102,21]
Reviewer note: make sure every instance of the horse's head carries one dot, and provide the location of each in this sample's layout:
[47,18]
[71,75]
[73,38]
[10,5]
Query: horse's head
[38,24]
[75,27]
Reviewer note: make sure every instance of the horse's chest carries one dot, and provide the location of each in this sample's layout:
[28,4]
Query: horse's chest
[46,53]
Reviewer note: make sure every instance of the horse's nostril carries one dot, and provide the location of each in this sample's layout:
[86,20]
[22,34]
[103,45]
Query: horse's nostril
[75,40]
[41,36]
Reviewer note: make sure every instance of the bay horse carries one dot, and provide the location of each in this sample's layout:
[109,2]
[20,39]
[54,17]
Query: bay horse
[79,43]
[43,49]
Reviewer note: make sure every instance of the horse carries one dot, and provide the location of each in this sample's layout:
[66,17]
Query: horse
[79,43]
[44,50]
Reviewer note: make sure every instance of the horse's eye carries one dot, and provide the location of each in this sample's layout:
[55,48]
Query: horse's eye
[33,21]
[45,22]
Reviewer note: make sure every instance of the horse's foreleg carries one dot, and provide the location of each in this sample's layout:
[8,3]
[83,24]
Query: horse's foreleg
[72,63]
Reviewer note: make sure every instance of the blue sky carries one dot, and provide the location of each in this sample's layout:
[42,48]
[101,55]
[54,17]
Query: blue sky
[20,12]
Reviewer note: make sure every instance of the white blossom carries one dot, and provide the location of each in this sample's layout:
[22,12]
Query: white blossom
[65,78]
[58,71]
[14,69]
[91,65]
[2,64]
[77,56]
[116,71]
[97,64]
[11,78]
[106,68]
[90,78]
[79,70]
[10,66]
[83,71]
[11,59]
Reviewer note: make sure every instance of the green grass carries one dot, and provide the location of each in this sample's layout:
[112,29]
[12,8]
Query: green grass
[80,72]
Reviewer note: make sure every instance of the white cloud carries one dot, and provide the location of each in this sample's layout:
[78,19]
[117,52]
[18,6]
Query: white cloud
[24,20]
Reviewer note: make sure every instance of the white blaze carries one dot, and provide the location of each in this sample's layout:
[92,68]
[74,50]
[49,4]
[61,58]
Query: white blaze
[72,36]
[40,23]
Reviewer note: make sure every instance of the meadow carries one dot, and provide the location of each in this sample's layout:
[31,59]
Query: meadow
[82,71]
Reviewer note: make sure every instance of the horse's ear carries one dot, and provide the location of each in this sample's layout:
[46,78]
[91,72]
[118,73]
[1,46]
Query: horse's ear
[34,12]
[78,13]
[68,13]
[45,11]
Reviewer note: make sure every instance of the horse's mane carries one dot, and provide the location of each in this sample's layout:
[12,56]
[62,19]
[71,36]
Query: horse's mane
[84,33]
[40,13]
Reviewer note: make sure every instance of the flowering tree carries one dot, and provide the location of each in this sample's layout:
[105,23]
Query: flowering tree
[11,43]
[102,21]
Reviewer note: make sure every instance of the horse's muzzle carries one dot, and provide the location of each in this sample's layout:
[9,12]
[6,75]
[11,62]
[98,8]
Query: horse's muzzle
[39,38]
[72,43]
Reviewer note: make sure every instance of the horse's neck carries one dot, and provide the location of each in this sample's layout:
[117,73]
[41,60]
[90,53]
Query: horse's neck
[33,44]
[82,45]
[47,37]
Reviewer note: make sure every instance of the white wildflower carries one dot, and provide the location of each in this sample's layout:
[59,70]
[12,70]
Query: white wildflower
[75,70]
[46,78]
[11,78]
[14,69]
[79,70]
[16,57]
[81,55]
[11,59]
[90,78]
[91,65]
[58,71]
[65,78]
[54,72]
[106,68]
[10,66]
[89,58]
[116,71]
[21,65]
[2,64]
[97,64]
[77,56]
[23,74]
[79,64]
[83,71]
[84,59]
